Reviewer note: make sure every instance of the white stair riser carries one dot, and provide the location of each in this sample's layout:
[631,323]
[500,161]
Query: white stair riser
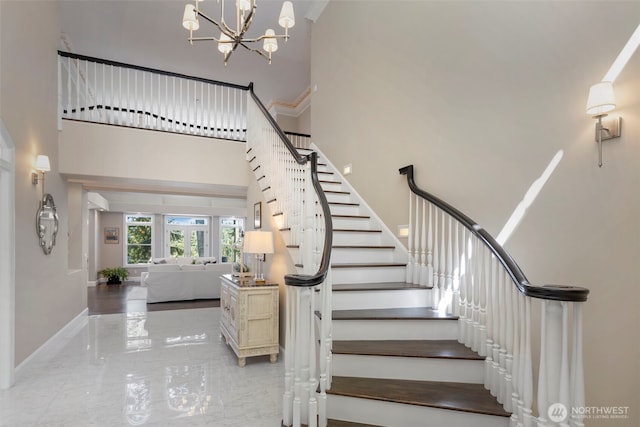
[368,275]
[354,300]
[338,197]
[382,413]
[333,186]
[409,368]
[342,256]
[395,329]
[351,223]
[351,238]
[344,210]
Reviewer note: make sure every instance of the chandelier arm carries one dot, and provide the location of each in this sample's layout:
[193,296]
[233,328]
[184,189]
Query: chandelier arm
[222,26]
[259,52]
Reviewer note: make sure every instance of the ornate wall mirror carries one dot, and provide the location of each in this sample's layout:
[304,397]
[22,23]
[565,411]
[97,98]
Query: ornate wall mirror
[47,223]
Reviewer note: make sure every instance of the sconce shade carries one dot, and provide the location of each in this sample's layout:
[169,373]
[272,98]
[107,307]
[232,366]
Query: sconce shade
[287,19]
[258,242]
[601,99]
[42,163]
[189,18]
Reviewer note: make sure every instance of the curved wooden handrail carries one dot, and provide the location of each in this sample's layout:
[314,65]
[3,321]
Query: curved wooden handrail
[149,70]
[305,280]
[547,292]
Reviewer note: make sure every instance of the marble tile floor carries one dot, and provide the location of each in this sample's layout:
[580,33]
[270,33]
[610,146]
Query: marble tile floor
[164,368]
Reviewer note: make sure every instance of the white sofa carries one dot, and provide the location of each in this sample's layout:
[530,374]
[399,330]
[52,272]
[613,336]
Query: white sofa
[175,282]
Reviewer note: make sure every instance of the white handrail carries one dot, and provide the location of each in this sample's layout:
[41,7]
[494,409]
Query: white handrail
[292,200]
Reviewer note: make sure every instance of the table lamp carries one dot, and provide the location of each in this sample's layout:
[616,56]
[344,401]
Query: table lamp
[258,243]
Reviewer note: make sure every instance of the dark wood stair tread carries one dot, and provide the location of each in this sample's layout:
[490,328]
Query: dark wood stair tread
[340,423]
[350,216]
[464,397]
[441,349]
[336,192]
[365,265]
[349,246]
[368,264]
[344,204]
[409,313]
[386,286]
[355,230]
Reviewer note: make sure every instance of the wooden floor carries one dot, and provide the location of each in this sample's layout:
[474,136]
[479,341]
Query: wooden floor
[112,299]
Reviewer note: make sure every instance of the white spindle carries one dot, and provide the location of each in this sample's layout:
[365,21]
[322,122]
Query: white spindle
[409,270]
[423,244]
[577,366]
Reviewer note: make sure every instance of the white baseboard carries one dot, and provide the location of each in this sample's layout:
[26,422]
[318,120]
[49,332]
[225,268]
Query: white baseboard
[92,283]
[58,340]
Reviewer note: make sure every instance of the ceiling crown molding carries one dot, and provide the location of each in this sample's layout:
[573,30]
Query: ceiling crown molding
[293,109]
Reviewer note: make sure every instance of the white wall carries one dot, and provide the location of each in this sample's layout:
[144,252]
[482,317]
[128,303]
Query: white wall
[480,96]
[108,151]
[47,296]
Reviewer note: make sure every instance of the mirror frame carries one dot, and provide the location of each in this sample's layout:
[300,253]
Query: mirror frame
[46,205]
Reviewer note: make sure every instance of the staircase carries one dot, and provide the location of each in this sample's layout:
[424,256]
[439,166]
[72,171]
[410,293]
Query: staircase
[396,360]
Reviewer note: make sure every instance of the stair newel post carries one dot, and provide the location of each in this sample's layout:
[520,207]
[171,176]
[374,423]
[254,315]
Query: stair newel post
[289,354]
[455,300]
[485,288]
[298,345]
[409,270]
[511,330]
[462,316]
[490,372]
[449,268]
[423,245]
[577,367]
[442,280]
[527,392]
[550,357]
[436,256]
[325,349]
[416,243]
[503,305]
[312,385]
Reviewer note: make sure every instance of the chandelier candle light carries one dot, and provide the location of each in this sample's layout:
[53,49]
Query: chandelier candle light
[229,38]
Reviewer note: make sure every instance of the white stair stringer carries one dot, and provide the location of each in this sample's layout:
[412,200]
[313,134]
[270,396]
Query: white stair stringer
[381,413]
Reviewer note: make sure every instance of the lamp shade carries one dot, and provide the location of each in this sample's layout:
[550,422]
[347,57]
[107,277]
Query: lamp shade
[243,5]
[189,18]
[287,19]
[224,45]
[270,42]
[42,163]
[258,242]
[601,99]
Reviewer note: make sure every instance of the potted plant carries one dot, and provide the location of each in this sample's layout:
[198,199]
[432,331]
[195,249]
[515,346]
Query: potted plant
[114,275]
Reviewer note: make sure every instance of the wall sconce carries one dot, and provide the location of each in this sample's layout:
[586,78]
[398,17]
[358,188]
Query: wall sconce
[42,165]
[258,243]
[601,100]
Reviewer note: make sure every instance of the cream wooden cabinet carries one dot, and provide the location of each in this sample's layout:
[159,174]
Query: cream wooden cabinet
[249,319]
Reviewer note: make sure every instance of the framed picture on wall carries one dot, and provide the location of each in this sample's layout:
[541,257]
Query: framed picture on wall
[257,215]
[112,235]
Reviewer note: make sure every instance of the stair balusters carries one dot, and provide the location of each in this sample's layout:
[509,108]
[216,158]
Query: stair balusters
[470,274]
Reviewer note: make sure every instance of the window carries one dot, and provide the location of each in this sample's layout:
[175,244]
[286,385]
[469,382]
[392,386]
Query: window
[186,236]
[139,232]
[231,229]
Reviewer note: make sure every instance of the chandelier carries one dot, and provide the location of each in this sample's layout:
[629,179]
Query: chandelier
[230,38]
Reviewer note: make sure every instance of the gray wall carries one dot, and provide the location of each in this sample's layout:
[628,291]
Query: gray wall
[480,96]
[47,293]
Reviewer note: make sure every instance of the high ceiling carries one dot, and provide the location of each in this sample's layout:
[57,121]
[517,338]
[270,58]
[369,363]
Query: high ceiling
[150,33]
